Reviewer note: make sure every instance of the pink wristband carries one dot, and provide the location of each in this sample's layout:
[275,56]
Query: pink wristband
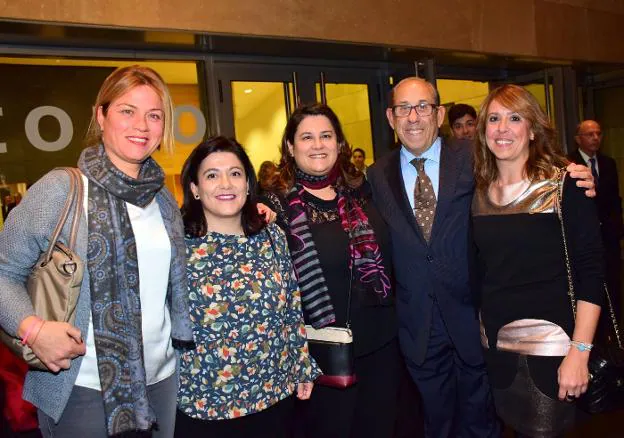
[30,329]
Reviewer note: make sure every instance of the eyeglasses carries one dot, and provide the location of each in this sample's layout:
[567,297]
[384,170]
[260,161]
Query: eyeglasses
[591,134]
[422,109]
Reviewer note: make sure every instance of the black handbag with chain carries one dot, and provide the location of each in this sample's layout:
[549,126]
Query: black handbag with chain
[606,362]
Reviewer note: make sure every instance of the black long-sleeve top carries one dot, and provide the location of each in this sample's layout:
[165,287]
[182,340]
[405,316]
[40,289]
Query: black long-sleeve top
[523,272]
[373,325]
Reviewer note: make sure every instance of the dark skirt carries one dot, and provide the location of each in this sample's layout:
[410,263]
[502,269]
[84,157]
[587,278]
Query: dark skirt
[526,409]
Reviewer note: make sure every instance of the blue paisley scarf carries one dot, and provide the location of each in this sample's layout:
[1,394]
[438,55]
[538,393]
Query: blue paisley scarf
[114,284]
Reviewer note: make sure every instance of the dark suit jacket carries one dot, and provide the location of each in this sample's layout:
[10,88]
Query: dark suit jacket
[608,201]
[440,269]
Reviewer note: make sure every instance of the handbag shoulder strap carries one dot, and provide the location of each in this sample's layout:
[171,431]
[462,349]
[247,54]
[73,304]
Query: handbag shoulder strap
[74,181]
[78,202]
[562,174]
[268,233]
[616,328]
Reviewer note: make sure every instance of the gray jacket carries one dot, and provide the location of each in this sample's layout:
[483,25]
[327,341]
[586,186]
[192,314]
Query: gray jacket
[25,236]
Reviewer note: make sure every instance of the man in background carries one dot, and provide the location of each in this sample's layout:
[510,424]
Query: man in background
[463,121]
[358,157]
[608,202]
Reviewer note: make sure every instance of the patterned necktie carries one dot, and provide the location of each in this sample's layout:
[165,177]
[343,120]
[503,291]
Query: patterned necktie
[424,198]
[592,164]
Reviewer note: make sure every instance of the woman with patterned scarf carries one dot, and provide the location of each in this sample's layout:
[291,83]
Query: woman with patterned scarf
[339,244]
[113,373]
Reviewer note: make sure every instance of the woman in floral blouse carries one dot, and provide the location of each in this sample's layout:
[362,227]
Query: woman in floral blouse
[250,353]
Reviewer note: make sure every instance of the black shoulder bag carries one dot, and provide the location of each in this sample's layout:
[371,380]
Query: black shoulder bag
[606,362]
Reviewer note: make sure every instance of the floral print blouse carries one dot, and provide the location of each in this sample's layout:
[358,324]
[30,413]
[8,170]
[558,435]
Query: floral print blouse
[250,342]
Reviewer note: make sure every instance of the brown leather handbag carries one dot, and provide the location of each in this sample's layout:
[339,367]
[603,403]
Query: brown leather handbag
[55,280]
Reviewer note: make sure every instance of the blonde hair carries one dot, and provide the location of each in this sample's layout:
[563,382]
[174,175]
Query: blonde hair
[120,82]
[544,152]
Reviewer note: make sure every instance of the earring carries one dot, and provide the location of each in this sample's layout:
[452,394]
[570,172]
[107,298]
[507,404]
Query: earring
[196,196]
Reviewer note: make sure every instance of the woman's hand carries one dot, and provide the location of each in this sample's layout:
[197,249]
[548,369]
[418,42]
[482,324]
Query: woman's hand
[584,178]
[55,343]
[268,214]
[304,390]
[573,374]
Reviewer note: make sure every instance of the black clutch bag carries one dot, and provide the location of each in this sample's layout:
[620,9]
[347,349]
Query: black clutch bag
[332,349]
[605,391]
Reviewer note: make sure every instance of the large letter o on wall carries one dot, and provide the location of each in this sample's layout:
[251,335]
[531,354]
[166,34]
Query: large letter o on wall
[32,128]
[200,123]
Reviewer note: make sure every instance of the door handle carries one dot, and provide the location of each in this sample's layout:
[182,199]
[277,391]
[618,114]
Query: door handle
[323,93]
[296,89]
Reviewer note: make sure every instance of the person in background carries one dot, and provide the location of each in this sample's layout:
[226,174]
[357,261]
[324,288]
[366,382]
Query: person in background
[463,121]
[359,157]
[266,174]
[608,201]
[114,371]
[537,349]
[19,418]
[339,245]
[250,353]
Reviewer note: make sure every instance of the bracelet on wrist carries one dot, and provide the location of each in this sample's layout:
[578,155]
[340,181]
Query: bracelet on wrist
[581,346]
[36,335]
[36,321]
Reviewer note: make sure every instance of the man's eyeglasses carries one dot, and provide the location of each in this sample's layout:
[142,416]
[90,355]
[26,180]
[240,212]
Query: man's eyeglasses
[422,109]
[591,134]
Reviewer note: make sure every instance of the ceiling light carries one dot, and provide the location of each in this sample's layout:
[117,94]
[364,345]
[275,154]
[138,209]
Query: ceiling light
[248,90]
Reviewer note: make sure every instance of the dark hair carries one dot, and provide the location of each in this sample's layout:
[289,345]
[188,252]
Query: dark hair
[460,110]
[192,211]
[544,151]
[266,173]
[349,176]
[360,150]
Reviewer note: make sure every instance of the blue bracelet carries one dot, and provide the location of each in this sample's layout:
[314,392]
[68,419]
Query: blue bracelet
[581,346]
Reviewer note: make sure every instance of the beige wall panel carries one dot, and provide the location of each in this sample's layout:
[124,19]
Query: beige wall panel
[615,6]
[445,24]
[562,31]
[492,26]
[606,30]
[505,26]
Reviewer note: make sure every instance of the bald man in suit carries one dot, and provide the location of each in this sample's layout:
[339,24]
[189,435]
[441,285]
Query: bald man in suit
[608,201]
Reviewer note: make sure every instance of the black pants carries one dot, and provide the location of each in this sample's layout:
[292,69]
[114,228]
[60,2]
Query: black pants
[367,409]
[456,396]
[273,422]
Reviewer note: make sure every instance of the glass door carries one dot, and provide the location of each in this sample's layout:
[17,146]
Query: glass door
[254,104]
[545,84]
[255,101]
[356,98]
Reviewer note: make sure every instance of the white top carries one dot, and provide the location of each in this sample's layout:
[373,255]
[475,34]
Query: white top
[154,256]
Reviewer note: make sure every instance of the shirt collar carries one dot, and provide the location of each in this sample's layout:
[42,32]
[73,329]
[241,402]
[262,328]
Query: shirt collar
[585,156]
[433,153]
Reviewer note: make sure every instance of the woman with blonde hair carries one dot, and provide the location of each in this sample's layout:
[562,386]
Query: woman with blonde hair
[114,371]
[537,349]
